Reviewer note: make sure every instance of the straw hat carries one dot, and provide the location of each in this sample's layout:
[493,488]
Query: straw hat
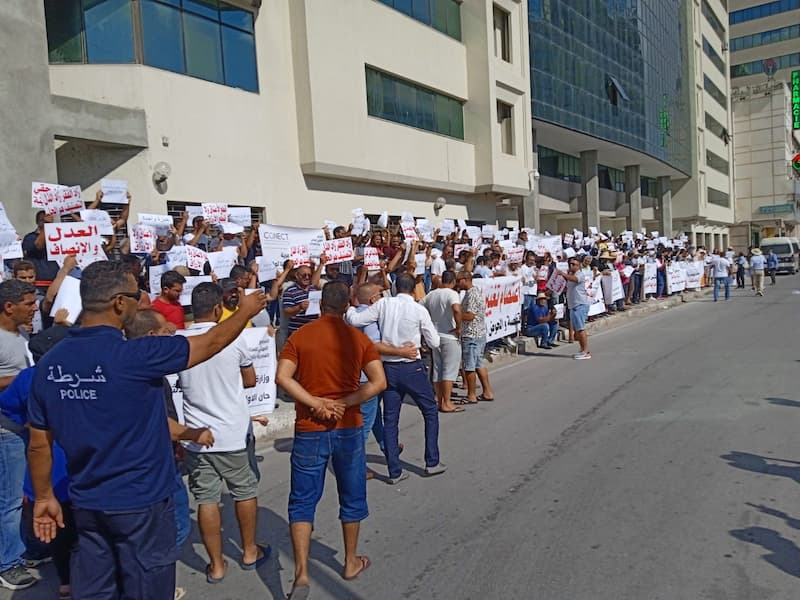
[541,296]
[756,251]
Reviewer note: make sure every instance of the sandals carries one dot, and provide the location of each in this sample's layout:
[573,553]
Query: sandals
[210,578]
[483,398]
[365,563]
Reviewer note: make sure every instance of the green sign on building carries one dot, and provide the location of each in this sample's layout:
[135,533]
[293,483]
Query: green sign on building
[795,99]
[776,208]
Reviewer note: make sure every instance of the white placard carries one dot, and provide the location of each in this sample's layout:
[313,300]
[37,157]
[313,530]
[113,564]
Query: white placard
[11,249]
[176,256]
[67,200]
[594,291]
[154,277]
[69,297]
[195,258]
[556,284]
[188,287]
[372,259]
[261,398]
[503,297]
[240,215]
[300,256]
[338,250]
[100,218]
[222,262]
[143,238]
[612,287]
[276,241]
[115,191]
[161,223]
[214,212]
[314,299]
[232,228]
[650,280]
[515,254]
[266,269]
[63,239]
[419,261]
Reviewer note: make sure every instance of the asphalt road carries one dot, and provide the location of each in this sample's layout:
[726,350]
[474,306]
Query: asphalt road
[664,468]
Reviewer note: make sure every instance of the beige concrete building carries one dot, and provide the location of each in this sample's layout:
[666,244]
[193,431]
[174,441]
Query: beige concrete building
[767,188]
[300,109]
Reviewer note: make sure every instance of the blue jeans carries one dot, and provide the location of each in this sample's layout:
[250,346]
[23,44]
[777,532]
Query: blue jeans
[637,287]
[722,280]
[181,500]
[368,413]
[12,477]
[409,378]
[310,455]
[546,331]
[661,283]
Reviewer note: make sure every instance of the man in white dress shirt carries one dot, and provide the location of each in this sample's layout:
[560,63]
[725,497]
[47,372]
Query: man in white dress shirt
[402,320]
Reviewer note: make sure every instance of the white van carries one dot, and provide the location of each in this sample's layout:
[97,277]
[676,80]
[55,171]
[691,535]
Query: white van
[787,250]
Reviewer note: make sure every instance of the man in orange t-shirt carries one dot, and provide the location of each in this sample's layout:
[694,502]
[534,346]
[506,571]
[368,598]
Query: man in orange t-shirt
[320,368]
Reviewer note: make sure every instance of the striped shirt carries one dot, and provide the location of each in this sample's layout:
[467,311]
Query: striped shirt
[295,296]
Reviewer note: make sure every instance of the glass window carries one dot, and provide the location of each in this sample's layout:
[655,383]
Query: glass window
[505,118]
[718,198]
[109,31]
[443,15]
[206,8]
[236,17]
[238,47]
[162,40]
[716,162]
[64,44]
[502,47]
[421,11]
[203,48]
[453,18]
[405,102]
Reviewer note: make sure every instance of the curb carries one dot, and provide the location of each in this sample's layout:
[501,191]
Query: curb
[281,421]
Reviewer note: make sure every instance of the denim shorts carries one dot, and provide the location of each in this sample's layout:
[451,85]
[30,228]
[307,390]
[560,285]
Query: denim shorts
[577,316]
[472,353]
[310,455]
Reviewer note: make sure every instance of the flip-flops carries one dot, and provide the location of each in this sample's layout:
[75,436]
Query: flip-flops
[299,592]
[211,579]
[483,398]
[267,550]
[365,563]
[457,409]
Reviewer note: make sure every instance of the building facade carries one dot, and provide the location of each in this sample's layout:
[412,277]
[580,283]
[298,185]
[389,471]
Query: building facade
[301,109]
[617,117]
[765,74]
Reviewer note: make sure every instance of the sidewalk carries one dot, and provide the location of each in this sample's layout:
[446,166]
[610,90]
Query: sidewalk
[281,421]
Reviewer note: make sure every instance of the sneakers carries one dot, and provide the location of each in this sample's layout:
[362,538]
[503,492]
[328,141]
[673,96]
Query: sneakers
[16,578]
[395,480]
[435,469]
[582,356]
[31,562]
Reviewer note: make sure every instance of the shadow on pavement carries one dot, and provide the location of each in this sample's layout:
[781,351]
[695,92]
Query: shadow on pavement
[773,512]
[760,464]
[783,402]
[783,553]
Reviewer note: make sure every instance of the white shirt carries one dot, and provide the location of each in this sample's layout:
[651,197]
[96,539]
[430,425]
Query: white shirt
[721,266]
[213,395]
[400,320]
[439,304]
[437,266]
[528,279]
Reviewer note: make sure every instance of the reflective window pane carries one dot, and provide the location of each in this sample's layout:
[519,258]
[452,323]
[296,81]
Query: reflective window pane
[109,31]
[162,41]
[237,17]
[239,52]
[206,8]
[63,31]
[203,48]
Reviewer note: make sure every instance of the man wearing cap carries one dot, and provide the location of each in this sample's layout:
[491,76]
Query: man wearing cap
[757,266]
[542,323]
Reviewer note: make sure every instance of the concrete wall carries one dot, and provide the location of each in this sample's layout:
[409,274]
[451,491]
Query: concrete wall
[26,138]
[304,147]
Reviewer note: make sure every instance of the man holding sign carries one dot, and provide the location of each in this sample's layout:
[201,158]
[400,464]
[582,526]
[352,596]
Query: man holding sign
[578,302]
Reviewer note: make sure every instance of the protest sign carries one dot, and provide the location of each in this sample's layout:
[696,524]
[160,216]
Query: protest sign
[161,223]
[115,191]
[299,256]
[419,263]
[676,278]
[188,287]
[503,297]
[154,274]
[193,212]
[372,259]
[10,246]
[409,232]
[232,228]
[266,269]
[67,200]
[69,297]
[628,271]
[240,215]
[556,284]
[338,250]
[100,218]
[214,212]
[446,227]
[650,282]
[143,239]
[177,256]
[612,287]
[63,239]
[694,274]
[195,258]
[594,292]
[276,241]
[11,249]
[559,311]
[42,194]
[261,398]
[314,299]
[489,231]
[223,261]
[515,255]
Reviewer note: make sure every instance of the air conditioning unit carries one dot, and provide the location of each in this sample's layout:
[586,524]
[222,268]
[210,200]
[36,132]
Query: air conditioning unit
[724,46]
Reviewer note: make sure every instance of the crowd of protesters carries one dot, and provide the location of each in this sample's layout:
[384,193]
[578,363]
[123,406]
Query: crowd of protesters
[90,403]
